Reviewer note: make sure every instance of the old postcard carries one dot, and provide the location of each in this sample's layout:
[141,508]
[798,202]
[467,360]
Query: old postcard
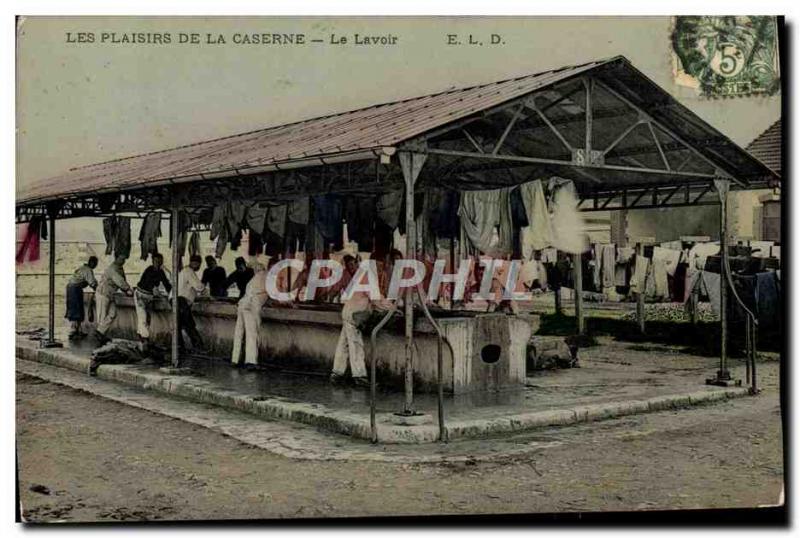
[275,268]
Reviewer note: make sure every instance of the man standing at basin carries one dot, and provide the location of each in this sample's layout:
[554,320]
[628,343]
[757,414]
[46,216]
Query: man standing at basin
[241,277]
[82,277]
[145,294]
[189,285]
[113,280]
[350,347]
[248,319]
[214,277]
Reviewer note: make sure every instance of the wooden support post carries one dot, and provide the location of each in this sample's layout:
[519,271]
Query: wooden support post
[578,277]
[176,259]
[640,295]
[452,265]
[411,164]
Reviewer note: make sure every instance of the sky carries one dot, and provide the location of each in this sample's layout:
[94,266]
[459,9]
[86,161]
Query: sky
[80,103]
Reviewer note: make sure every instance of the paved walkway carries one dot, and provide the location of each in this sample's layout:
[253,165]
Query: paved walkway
[606,386]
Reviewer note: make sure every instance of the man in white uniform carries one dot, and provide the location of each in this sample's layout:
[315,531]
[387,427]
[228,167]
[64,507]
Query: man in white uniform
[189,285]
[113,280]
[248,319]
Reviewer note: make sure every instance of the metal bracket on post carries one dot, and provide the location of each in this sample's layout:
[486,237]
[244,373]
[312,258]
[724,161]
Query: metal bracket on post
[52,211]
[411,164]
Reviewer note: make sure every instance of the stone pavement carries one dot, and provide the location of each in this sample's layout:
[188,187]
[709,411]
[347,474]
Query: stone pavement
[601,389]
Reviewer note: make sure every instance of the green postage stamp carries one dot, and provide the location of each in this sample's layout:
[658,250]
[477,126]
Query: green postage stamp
[726,56]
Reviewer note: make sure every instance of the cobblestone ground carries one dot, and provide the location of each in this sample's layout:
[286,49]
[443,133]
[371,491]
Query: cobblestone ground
[85,458]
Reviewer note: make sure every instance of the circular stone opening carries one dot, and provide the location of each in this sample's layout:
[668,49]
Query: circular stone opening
[490,353]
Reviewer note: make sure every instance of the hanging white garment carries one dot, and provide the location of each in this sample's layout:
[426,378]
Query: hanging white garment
[566,220]
[538,234]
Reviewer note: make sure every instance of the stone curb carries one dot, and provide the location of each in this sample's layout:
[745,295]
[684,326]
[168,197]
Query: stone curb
[198,390]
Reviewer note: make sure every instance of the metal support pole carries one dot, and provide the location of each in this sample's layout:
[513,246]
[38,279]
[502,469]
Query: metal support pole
[411,164]
[723,373]
[640,294]
[51,313]
[176,259]
[578,276]
[724,377]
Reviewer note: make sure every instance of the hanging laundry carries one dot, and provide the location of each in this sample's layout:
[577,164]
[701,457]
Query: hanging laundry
[519,215]
[149,234]
[255,244]
[295,237]
[184,224]
[711,286]
[298,211]
[29,249]
[110,233]
[608,263]
[657,286]
[767,295]
[567,221]
[361,214]
[276,221]
[444,217]
[597,266]
[194,244]
[549,255]
[669,257]
[256,218]
[538,234]
[389,208]
[639,277]
[328,220]
[122,237]
[482,212]
[426,240]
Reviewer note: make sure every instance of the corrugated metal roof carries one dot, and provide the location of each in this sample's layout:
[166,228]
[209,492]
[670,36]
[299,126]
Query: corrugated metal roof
[356,134]
[367,128]
[767,146]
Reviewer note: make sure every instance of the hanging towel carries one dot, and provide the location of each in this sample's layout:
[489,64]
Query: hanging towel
[389,207]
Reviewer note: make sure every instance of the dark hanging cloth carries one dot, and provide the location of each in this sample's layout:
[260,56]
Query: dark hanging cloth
[328,219]
[444,220]
[360,214]
[194,244]
[272,244]
[384,239]
[257,218]
[519,216]
[122,237]
[295,237]
[768,294]
[255,245]
[389,208]
[110,233]
[149,234]
[276,220]
[184,224]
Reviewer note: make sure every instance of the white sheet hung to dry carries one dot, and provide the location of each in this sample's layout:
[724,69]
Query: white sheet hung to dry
[566,220]
[538,235]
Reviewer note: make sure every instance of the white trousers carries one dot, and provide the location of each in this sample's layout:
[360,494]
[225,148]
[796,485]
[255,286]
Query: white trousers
[248,321]
[106,312]
[143,302]
[350,348]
